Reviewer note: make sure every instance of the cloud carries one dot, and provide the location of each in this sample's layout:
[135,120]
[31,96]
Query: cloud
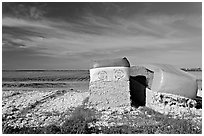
[24,10]
[96,35]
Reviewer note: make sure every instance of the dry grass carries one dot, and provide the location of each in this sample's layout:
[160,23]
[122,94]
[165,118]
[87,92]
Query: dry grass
[78,124]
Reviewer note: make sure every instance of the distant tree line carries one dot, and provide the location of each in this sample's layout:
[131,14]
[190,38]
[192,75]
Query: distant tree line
[191,69]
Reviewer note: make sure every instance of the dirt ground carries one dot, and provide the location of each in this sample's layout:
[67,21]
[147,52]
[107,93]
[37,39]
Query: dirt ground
[33,103]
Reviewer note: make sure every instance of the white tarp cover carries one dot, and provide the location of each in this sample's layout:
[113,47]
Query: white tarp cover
[116,62]
[169,79]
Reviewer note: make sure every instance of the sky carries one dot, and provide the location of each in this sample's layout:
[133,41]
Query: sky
[72,35]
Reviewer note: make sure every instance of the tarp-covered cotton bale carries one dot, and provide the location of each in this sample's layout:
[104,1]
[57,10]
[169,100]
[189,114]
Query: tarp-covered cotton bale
[168,79]
[109,83]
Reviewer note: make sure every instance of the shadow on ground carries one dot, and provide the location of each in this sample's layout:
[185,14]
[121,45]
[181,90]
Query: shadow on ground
[81,117]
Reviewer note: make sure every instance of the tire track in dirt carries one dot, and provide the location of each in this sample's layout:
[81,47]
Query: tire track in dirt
[13,108]
[42,100]
[11,95]
[48,108]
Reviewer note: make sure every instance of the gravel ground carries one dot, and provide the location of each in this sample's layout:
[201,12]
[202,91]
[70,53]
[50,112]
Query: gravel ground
[43,108]
[34,108]
[141,116]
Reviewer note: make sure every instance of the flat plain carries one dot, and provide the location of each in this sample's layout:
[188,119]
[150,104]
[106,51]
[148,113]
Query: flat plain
[46,101]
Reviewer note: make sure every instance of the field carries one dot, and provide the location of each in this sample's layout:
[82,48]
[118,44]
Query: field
[55,102]
[55,79]
[70,79]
